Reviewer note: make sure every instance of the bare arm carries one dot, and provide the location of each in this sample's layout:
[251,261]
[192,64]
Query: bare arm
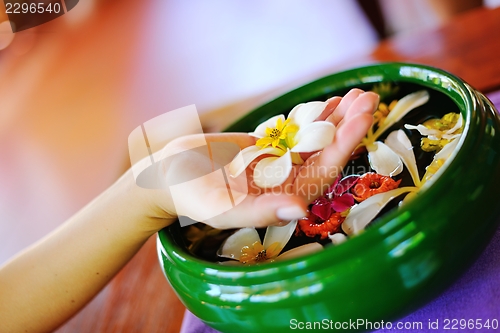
[49,282]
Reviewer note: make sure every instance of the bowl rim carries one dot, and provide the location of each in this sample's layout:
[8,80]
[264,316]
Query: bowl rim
[415,73]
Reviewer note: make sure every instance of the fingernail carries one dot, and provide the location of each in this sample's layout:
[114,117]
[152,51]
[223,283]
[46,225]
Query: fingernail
[290,213]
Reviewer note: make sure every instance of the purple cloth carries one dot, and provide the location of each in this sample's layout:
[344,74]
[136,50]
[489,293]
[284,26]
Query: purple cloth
[191,324]
[476,295]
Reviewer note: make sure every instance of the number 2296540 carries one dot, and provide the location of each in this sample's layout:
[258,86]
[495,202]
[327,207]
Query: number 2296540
[32,8]
[461,324]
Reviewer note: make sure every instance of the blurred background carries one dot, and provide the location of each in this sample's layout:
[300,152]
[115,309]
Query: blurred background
[72,90]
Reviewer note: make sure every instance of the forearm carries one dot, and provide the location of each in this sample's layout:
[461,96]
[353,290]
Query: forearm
[50,281]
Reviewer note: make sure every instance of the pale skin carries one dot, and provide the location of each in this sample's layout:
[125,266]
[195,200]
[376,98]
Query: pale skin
[50,281]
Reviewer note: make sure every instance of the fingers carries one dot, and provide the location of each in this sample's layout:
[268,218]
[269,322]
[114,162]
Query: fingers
[366,102]
[351,130]
[344,105]
[348,136]
[330,108]
[353,116]
[323,168]
[261,211]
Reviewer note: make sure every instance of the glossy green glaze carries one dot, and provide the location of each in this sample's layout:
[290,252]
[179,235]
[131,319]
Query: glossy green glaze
[396,266]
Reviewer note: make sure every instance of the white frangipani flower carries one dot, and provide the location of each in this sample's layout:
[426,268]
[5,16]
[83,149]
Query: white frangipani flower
[440,159]
[337,238]
[401,109]
[382,158]
[399,143]
[362,214]
[284,140]
[245,245]
[437,134]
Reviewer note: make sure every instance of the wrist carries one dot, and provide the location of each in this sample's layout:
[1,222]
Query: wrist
[148,210]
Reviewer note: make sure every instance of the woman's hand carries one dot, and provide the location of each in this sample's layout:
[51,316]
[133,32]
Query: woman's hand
[83,254]
[208,199]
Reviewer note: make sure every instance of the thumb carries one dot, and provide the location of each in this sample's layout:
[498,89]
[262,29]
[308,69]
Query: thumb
[261,211]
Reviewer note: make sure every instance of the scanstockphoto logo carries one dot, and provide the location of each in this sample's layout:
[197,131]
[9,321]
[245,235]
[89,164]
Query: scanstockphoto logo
[26,14]
[170,152]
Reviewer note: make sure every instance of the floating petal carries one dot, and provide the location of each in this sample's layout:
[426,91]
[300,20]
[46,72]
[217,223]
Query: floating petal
[305,113]
[337,238]
[435,134]
[234,243]
[344,185]
[383,160]
[457,126]
[313,137]
[322,208]
[401,145]
[439,159]
[451,136]
[272,171]
[247,155]
[343,202]
[431,132]
[363,213]
[230,263]
[281,235]
[402,107]
[301,251]
[260,131]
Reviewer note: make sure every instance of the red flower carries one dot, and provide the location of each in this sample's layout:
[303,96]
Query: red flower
[310,226]
[373,183]
[335,199]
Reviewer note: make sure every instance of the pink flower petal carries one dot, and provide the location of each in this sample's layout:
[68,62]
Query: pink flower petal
[331,190]
[342,203]
[322,208]
[345,184]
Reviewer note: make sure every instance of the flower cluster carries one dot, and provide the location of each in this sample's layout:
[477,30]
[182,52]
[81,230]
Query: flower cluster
[353,201]
[282,141]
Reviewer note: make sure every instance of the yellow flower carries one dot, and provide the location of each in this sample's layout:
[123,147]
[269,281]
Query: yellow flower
[439,131]
[439,159]
[284,140]
[429,145]
[245,246]
[382,158]
[383,111]
[256,253]
[385,89]
[280,136]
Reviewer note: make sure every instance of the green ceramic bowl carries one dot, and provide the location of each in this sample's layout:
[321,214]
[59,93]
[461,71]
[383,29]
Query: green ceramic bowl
[394,267]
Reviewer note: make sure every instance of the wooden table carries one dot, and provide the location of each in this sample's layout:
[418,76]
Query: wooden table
[468,47]
[139,298]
